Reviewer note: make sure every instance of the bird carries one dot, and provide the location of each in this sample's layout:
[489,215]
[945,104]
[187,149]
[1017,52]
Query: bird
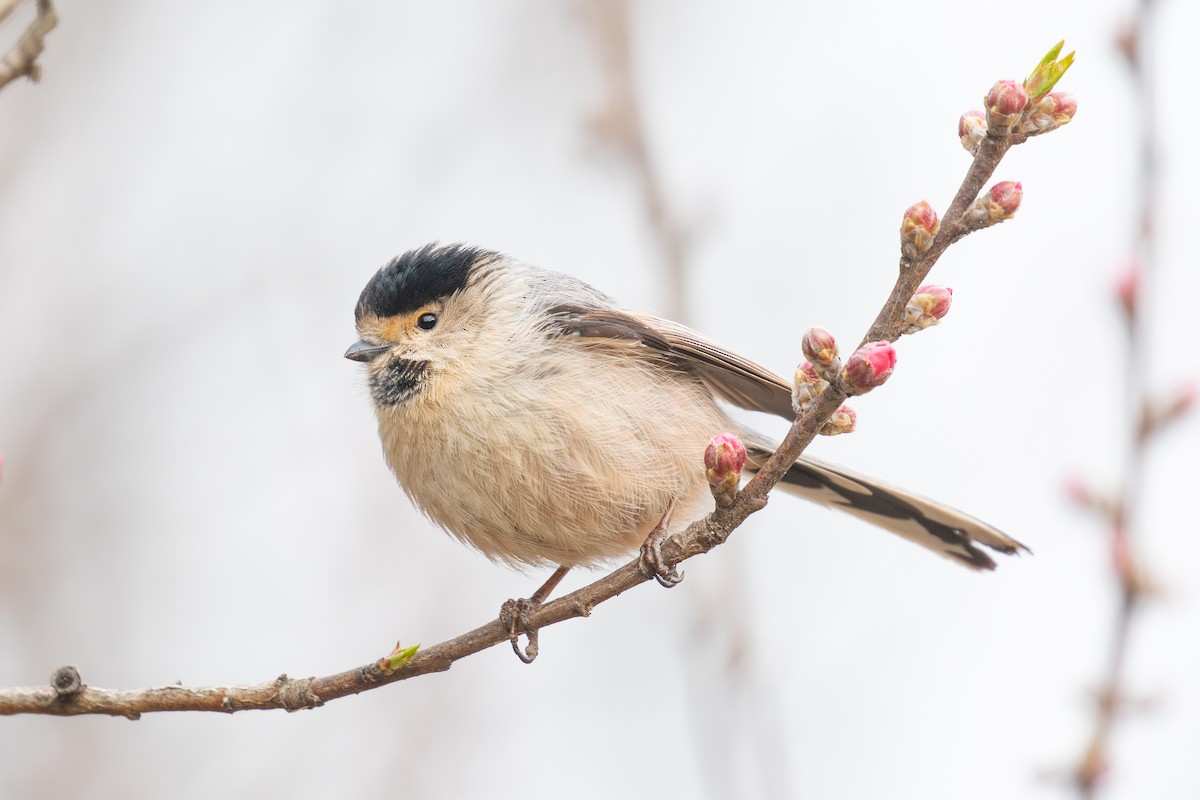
[536,420]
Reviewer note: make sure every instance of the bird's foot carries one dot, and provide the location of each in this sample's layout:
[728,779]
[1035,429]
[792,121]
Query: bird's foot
[514,614]
[653,564]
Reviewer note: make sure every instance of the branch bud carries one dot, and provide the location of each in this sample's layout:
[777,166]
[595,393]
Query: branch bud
[918,229]
[807,385]
[819,348]
[724,459]
[842,421]
[1126,289]
[869,367]
[1049,112]
[1005,104]
[995,205]
[972,129]
[927,306]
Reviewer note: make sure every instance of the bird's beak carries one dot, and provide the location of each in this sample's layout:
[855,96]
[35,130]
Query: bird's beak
[364,351]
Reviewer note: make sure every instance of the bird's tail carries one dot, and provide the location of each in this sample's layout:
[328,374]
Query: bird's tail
[942,529]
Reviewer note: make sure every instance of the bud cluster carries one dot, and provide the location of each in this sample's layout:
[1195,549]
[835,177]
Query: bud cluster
[809,385]
[1028,107]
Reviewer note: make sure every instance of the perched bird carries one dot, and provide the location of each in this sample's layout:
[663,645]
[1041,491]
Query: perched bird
[533,418]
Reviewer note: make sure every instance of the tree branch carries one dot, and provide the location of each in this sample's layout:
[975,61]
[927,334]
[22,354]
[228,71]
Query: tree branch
[21,60]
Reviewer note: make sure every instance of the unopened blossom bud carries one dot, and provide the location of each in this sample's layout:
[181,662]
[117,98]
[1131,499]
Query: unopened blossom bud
[1160,412]
[842,421]
[869,367]
[1126,289]
[972,129]
[1005,104]
[927,306]
[918,229]
[995,205]
[807,385]
[1049,112]
[819,347]
[724,459]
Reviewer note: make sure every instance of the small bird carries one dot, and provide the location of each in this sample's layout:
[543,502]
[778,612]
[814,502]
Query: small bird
[536,420]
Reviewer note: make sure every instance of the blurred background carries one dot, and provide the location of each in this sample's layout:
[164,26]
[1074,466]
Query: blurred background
[191,200]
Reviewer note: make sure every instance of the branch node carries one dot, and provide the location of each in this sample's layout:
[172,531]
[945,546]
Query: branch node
[297,694]
[66,682]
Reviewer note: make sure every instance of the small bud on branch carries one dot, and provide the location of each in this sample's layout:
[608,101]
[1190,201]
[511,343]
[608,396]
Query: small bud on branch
[807,385]
[995,205]
[928,305]
[1005,103]
[1049,112]
[724,459]
[869,367]
[1126,290]
[972,129]
[842,421]
[918,229]
[819,348]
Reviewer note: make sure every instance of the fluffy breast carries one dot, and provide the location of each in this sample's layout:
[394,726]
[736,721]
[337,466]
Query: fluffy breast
[568,455]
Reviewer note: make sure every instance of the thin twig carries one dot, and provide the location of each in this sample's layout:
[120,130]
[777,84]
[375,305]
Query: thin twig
[21,60]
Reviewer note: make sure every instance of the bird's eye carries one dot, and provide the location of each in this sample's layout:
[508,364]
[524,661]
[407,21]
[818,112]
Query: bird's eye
[426,321]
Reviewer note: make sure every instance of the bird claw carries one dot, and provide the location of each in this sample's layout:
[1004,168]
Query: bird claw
[653,564]
[515,615]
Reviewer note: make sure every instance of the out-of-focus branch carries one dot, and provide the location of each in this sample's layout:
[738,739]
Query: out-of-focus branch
[1146,415]
[68,696]
[21,60]
[620,124]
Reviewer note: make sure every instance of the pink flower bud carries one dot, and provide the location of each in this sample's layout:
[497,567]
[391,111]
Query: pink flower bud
[1007,197]
[927,306]
[807,386]
[972,128]
[1182,403]
[1126,288]
[1079,492]
[995,205]
[842,421]
[819,347]
[724,459]
[869,367]
[918,229]
[1005,104]
[934,300]
[1049,112]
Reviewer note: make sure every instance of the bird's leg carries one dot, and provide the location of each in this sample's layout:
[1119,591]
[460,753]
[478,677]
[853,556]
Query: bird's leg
[515,614]
[653,565]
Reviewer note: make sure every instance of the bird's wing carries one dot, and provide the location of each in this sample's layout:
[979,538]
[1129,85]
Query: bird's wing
[730,377]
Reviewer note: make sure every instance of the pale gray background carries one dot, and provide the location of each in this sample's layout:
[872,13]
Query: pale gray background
[191,201]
